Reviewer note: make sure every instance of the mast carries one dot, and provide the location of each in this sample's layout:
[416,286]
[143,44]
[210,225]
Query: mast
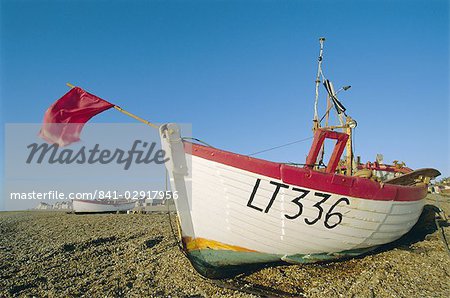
[347,124]
[349,149]
[316,123]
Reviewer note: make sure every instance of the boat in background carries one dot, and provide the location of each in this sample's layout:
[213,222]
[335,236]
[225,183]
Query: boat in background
[102,206]
[236,211]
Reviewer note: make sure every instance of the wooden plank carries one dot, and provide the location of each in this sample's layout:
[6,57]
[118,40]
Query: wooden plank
[412,177]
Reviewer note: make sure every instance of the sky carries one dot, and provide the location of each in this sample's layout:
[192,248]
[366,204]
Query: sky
[241,72]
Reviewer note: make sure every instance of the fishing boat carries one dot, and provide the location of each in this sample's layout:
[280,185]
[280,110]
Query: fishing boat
[102,206]
[236,211]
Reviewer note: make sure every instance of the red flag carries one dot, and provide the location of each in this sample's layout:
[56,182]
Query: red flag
[65,118]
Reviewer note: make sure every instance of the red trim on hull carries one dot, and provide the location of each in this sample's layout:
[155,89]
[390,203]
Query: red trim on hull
[328,182]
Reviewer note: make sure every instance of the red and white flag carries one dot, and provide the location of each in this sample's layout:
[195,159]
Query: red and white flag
[65,118]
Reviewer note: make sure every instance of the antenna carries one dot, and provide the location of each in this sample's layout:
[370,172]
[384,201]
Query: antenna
[319,72]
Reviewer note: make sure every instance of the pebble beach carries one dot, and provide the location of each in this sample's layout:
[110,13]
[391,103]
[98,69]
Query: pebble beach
[55,254]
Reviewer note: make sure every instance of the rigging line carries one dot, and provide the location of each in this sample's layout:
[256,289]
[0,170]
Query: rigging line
[328,110]
[177,241]
[440,227]
[319,70]
[284,145]
[322,75]
[195,139]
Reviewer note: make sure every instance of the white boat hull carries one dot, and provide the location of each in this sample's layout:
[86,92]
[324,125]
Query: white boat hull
[231,214]
[97,206]
[220,195]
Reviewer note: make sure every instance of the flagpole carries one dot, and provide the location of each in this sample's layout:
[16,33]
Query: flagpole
[126,112]
[136,117]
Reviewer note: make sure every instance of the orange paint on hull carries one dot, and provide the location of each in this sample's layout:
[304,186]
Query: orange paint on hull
[202,243]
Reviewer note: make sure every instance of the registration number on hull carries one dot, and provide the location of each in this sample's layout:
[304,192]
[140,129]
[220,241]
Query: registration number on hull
[328,217]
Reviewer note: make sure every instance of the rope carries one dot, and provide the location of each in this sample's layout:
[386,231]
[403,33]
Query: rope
[441,228]
[276,147]
[239,284]
[177,241]
[195,139]
[442,235]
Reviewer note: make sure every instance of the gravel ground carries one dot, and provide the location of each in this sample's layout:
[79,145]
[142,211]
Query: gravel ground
[56,254]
